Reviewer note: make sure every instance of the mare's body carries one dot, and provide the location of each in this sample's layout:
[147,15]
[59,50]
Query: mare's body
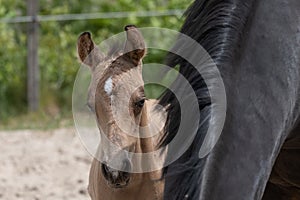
[256,46]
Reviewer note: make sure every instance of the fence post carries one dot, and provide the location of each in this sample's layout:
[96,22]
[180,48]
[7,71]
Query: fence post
[32,57]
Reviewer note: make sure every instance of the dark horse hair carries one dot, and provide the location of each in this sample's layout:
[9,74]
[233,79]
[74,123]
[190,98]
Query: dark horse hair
[218,26]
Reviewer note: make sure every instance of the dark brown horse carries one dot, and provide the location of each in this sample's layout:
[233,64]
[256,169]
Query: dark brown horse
[256,46]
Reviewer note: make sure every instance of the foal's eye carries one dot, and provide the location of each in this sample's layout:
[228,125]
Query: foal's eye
[140,103]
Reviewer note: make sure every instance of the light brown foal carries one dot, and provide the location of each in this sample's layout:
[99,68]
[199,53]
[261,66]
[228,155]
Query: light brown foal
[116,95]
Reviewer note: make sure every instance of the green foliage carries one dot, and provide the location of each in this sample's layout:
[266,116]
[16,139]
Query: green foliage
[57,47]
[12,66]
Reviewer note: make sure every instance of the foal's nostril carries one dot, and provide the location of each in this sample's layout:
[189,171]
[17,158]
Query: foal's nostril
[105,170]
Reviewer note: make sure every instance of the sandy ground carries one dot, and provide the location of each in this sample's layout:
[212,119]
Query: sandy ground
[42,165]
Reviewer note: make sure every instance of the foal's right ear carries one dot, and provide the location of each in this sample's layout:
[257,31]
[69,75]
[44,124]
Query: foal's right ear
[88,52]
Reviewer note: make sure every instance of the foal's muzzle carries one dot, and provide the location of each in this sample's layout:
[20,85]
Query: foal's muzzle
[116,178]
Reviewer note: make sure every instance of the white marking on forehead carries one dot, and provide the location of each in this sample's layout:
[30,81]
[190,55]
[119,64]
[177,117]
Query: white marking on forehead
[108,86]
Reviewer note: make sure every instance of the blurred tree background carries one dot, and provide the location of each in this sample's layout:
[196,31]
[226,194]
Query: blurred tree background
[57,53]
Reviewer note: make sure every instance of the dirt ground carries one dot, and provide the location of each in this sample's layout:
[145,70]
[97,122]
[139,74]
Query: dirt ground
[42,165]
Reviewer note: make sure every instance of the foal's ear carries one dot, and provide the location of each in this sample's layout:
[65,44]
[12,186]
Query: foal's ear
[135,45]
[88,52]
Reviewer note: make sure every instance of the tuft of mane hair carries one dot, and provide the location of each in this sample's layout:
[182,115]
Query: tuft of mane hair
[217,25]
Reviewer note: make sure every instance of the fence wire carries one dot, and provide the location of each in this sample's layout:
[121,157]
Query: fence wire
[87,16]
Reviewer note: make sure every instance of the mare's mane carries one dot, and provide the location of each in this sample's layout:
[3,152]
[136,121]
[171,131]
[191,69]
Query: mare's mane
[218,26]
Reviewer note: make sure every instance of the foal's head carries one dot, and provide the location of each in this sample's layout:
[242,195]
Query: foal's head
[116,96]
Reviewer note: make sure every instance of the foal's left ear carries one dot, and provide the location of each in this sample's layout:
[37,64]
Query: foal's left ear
[135,45]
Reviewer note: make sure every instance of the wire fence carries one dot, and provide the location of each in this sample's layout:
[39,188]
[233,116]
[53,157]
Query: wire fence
[87,16]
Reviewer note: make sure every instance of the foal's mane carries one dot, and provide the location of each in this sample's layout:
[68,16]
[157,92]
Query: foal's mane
[218,26]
